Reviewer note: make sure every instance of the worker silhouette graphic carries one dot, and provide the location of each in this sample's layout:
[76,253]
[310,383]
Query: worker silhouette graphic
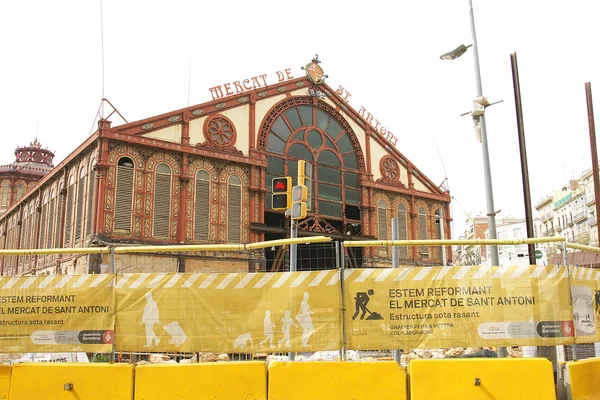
[361,300]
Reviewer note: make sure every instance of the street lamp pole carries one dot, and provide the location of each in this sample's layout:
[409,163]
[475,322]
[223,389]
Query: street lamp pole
[487,174]
[491,212]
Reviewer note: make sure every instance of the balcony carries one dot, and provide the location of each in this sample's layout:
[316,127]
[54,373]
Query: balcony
[582,238]
[549,232]
[570,223]
[592,221]
[579,217]
[546,217]
[590,199]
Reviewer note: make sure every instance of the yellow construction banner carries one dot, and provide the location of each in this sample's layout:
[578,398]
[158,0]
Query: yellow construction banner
[57,313]
[457,306]
[234,313]
[585,294]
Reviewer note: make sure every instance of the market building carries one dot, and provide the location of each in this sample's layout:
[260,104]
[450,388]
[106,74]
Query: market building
[203,174]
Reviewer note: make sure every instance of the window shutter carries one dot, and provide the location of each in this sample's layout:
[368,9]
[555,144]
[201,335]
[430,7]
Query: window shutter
[423,232]
[382,222]
[234,214]
[69,215]
[43,227]
[162,205]
[201,210]
[438,235]
[80,191]
[123,198]
[402,230]
[58,222]
[90,204]
[50,224]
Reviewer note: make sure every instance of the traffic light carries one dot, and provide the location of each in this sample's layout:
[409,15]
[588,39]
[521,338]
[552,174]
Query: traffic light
[299,210]
[282,193]
[299,195]
[305,176]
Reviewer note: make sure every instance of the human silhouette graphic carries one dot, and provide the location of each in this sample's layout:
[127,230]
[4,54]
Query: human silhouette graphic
[286,326]
[361,300]
[150,318]
[305,320]
[269,326]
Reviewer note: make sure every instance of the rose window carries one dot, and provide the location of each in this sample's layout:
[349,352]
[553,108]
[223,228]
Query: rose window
[220,131]
[389,168]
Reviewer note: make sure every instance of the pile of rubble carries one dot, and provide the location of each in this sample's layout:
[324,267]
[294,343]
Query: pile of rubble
[513,352]
[8,358]
[196,358]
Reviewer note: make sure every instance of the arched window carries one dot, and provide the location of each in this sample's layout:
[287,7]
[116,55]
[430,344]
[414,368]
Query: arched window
[42,242]
[4,193]
[58,227]
[234,209]
[308,133]
[438,230]
[51,219]
[162,201]
[25,227]
[69,210]
[382,220]
[124,196]
[80,203]
[202,206]
[423,232]
[90,201]
[402,230]
[31,226]
[20,188]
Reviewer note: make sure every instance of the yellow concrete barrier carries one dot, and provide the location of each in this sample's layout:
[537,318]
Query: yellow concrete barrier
[482,379]
[5,373]
[585,379]
[236,380]
[336,380]
[71,381]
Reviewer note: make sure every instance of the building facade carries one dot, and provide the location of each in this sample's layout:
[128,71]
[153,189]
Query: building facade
[475,228]
[203,175]
[31,164]
[570,213]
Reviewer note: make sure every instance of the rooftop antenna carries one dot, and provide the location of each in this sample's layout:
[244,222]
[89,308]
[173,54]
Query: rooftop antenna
[102,40]
[189,82]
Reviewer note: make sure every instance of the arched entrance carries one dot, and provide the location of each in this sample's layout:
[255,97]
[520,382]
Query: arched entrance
[304,128]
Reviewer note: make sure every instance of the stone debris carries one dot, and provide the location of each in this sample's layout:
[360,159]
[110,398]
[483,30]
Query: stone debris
[158,358]
[417,354]
[514,352]
[6,358]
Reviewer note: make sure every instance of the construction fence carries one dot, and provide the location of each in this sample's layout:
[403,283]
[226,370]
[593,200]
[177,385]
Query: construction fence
[239,308]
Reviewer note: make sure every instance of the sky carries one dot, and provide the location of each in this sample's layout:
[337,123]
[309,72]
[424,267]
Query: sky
[60,58]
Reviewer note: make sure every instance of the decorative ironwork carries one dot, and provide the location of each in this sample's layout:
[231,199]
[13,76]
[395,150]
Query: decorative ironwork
[243,99]
[281,89]
[300,84]
[174,118]
[317,224]
[262,94]
[147,126]
[220,106]
[219,131]
[198,112]
[389,169]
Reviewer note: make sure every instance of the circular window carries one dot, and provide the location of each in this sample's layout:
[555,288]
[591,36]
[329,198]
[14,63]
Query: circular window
[220,131]
[389,168]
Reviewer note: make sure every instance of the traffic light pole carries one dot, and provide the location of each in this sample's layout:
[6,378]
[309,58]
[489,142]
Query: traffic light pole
[293,247]
[293,257]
